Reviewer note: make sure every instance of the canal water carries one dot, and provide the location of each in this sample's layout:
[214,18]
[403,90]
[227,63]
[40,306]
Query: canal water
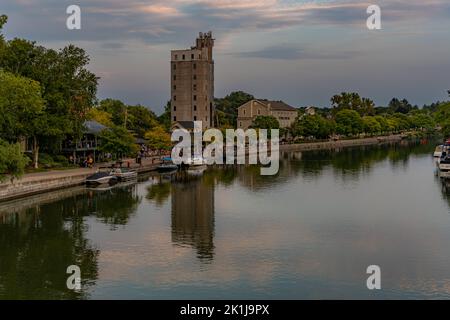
[309,232]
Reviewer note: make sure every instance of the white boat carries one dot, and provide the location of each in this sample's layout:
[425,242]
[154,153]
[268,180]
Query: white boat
[123,174]
[101,178]
[438,151]
[196,162]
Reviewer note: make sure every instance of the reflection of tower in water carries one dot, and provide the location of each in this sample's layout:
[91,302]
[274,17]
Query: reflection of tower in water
[193,214]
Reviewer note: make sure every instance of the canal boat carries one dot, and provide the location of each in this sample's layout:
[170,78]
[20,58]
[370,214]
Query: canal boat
[167,165]
[124,174]
[101,178]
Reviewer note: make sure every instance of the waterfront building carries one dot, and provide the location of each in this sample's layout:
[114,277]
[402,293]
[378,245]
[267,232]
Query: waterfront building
[192,82]
[284,113]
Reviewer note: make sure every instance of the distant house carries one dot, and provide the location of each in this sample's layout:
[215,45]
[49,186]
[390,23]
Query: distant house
[87,145]
[310,111]
[284,113]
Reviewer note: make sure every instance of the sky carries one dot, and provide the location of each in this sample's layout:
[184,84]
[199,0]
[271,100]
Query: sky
[301,52]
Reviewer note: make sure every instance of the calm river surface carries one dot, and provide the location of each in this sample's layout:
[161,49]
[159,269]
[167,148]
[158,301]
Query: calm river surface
[309,232]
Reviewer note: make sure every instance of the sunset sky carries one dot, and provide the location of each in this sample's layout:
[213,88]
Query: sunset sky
[301,52]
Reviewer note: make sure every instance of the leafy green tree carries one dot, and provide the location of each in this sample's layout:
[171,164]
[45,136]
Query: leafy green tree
[158,138]
[100,116]
[371,125]
[313,126]
[22,109]
[352,101]
[3,20]
[118,141]
[12,160]
[117,109]
[265,122]
[384,126]
[348,122]
[422,121]
[164,118]
[140,120]
[68,88]
[229,105]
[399,106]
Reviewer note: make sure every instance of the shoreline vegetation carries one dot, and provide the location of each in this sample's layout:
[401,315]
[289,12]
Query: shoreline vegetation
[47,96]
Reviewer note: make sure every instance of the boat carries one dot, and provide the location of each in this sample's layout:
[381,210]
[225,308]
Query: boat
[167,165]
[101,178]
[124,174]
[196,162]
[438,151]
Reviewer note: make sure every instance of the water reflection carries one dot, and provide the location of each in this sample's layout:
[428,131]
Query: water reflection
[278,234]
[193,214]
[41,236]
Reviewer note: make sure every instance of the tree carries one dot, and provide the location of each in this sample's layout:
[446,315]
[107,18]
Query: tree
[12,160]
[399,106]
[313,126]
[164,119]
[22,109]
[158,138]
[384,126]
[265,122]
[371,125]
[117,109]
[3,20]
[100,116]
[118,141]
[140,120]
[229,105]
[68,88]
[352,101]
[422,121]
[348,122]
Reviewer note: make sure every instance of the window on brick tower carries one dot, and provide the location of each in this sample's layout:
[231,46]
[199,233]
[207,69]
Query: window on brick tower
[195,77]
[174,108]
[174,98]
[192,56]
[195,108]
[195,98]
[174,78]
[195,118]
[176,57]
[174,118]
[174,66]
[194,66]
[195,87]
[184,57]
[174,87]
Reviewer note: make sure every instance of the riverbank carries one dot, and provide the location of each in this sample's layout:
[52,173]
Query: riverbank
[40,182]
[35,183]
[342,143]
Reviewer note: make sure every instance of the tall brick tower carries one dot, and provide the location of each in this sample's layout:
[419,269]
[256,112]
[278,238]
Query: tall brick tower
[192,82]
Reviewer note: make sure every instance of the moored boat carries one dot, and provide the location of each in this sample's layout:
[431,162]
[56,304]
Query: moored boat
[167,165]
[124,174]
[101,178]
